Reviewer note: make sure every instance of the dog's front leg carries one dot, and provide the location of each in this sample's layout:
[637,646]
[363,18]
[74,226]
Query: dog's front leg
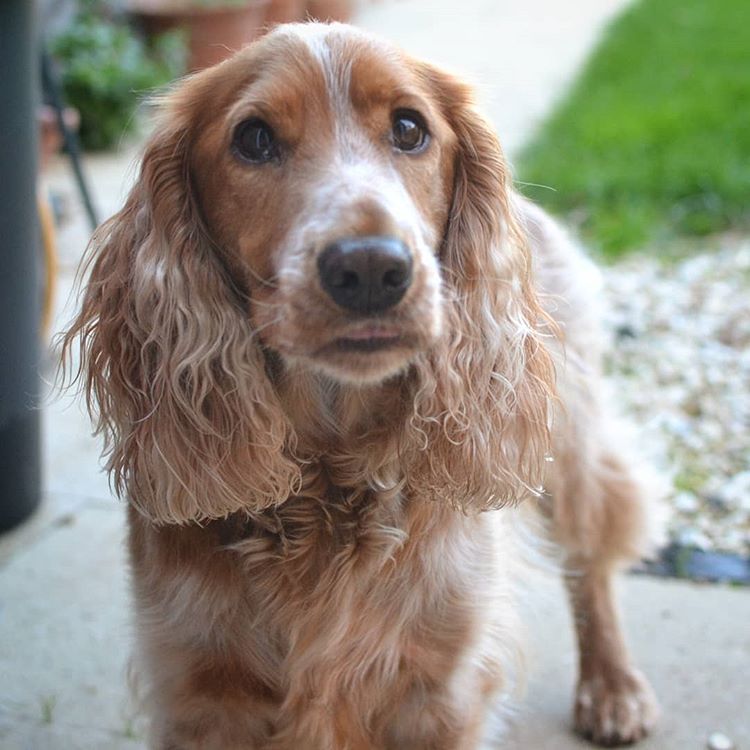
[313,724]
[437,720]
[601,502]
[614,702]
[191,718]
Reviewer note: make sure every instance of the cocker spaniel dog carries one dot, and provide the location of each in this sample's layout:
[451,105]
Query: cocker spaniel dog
[326,343]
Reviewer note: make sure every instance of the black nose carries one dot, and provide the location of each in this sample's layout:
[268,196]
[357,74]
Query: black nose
[365,274]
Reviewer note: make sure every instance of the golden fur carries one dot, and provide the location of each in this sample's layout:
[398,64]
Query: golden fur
[311,566]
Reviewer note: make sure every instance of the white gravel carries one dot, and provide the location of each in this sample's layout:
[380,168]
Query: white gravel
[680,362]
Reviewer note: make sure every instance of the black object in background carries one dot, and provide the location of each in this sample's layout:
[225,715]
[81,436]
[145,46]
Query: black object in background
[53,94]
[20,301]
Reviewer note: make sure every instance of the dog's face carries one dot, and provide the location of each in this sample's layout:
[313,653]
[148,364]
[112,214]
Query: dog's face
[324,171]
[324,197]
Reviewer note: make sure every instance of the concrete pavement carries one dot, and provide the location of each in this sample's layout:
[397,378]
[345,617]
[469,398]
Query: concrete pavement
[691,640]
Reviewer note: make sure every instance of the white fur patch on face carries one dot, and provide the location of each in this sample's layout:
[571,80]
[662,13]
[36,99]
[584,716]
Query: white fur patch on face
[336,70]
[355,171]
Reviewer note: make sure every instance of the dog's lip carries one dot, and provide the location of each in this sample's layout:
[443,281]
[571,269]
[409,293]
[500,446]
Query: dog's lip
[372,337]
[371,332]
[368,337]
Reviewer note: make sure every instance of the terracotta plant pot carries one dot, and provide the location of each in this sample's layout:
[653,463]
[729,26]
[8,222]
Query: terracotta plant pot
[214,32]
[330,10]
[50,137]
[286,11]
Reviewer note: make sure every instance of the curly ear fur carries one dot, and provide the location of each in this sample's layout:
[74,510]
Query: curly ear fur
[193,427]
[483,403]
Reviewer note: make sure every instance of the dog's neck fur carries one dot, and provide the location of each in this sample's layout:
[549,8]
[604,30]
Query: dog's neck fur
[328,416]
[351,475]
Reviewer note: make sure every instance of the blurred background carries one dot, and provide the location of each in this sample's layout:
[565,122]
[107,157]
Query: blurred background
[628,120]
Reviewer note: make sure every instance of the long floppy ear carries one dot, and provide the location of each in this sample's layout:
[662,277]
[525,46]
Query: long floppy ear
[484,400]
[172,371]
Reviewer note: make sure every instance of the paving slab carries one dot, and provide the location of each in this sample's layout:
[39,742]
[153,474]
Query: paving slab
[65,638]
[692,640]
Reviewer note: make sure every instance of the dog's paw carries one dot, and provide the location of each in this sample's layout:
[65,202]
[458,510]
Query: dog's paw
[615,710]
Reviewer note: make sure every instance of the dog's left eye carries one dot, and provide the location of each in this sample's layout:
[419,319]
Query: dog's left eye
[254,141]
[409,131]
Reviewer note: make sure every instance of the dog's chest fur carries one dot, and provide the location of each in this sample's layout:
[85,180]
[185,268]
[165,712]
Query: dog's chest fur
[318,595]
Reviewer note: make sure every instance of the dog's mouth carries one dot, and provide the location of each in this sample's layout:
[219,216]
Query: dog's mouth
[368,352]
[369,338]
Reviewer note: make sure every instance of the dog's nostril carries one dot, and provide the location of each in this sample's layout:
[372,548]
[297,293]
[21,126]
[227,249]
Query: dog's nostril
[347,280]
[394,278]
[365,274]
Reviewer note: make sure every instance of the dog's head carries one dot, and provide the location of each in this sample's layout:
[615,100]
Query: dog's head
[323,200]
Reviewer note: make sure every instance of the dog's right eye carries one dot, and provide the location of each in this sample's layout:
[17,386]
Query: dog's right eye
[410,133]
[255,142]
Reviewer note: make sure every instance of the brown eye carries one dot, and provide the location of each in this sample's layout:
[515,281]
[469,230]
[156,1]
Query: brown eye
[255,142]
[409,131]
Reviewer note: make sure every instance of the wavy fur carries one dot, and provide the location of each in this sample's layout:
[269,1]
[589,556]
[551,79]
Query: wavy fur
[482,405]
[173,371]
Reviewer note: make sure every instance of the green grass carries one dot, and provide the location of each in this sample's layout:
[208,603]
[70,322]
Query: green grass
[652,142]
[47,704]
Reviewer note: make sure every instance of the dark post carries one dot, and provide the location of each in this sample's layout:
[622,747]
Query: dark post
[19,249]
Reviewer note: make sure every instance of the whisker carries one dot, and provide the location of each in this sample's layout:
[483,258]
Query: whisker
[267,305]
[535,184]
[258,329]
